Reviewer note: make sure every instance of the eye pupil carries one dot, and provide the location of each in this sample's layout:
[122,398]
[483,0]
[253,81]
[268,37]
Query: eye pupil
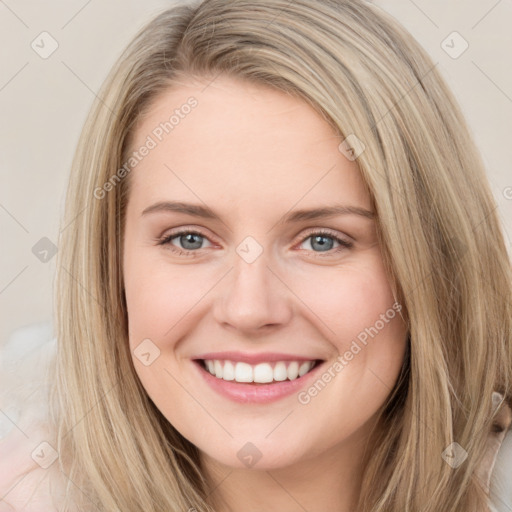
[192,238]
[320,239]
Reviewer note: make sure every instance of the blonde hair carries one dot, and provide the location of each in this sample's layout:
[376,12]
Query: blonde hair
[437,223]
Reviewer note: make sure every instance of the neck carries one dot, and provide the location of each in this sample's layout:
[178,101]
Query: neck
[330,480]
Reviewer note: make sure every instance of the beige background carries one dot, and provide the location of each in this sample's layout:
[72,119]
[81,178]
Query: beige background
[43,104]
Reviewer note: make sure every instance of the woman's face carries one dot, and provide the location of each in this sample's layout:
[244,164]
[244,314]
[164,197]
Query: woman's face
[282,268]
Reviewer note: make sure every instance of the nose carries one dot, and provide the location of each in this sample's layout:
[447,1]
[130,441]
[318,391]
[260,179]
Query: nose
[253,298]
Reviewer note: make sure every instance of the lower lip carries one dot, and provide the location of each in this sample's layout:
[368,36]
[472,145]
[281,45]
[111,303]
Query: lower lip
[256,393]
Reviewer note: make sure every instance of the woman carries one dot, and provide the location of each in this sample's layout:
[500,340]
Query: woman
[337,335]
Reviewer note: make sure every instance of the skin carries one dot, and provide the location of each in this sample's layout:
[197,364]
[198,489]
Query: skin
[253,154]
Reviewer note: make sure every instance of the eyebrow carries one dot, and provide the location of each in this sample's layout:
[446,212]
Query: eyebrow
[197,210]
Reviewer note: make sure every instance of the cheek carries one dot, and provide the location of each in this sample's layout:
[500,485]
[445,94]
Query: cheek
[160,295]
[154,299]
[354,308]
[350,299]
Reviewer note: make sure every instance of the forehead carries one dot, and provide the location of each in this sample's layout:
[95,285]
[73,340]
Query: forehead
[236,141]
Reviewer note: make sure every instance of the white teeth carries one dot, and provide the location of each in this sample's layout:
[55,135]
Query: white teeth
[260,373]
[263,373]
[304,368]
[229,371]
[243,372]
[280,371]
[293,370]
[218,369]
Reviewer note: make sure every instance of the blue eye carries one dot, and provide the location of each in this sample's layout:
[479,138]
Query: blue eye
[324,241]
[190,242]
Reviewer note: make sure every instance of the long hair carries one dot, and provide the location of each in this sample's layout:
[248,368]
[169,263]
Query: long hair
[437,223]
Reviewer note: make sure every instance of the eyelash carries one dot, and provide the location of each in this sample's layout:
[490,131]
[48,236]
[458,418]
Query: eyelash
[344,244]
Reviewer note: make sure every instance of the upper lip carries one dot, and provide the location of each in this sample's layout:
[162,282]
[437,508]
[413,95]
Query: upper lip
[254,358]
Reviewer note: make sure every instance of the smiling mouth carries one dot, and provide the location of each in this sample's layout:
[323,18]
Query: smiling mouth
[257,374]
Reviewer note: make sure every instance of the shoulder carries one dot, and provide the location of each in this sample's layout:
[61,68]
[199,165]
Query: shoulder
[28,468]
[24,363]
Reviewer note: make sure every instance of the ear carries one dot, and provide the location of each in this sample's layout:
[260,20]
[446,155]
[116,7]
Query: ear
[500,426]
